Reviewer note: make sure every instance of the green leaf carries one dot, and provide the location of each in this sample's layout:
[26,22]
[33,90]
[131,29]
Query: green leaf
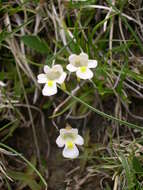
[136,165]
[7,125]
[29,163]
[123,122]
[34,42]
[133,33]
[128,171]
[25,179]
[8,184]
[5,34]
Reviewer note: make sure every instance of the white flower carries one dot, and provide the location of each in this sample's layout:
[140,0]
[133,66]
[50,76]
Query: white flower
[69,138]
[50,78]
[2,84]
[81,65]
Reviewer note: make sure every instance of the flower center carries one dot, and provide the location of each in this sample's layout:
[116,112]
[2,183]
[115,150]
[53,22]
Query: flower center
[52,75]
[83,69]
[79,61]
[50,83]
[70,145]
[69,136]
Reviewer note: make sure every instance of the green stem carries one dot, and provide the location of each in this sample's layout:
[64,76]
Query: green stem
[29,163]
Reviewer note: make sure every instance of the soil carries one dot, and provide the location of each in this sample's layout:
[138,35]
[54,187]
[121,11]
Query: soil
[57,168]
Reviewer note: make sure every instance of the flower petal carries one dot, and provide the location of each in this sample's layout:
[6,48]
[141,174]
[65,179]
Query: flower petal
[46,68]
[88,74]
[70,152]
[60,142]
[42,78]
[79,140]
[2,84]
[72,130]
[62,78]
[84,56]
[71,68]
[49,90]
[72,57]
[57,68]
[92,63]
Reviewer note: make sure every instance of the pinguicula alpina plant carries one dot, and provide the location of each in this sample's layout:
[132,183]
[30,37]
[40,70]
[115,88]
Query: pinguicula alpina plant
[81,65]
[50,77]
[68,139]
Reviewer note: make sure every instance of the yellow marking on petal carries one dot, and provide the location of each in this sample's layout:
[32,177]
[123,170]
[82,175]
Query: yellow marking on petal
[50,83]
[70,145]
[83,69]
